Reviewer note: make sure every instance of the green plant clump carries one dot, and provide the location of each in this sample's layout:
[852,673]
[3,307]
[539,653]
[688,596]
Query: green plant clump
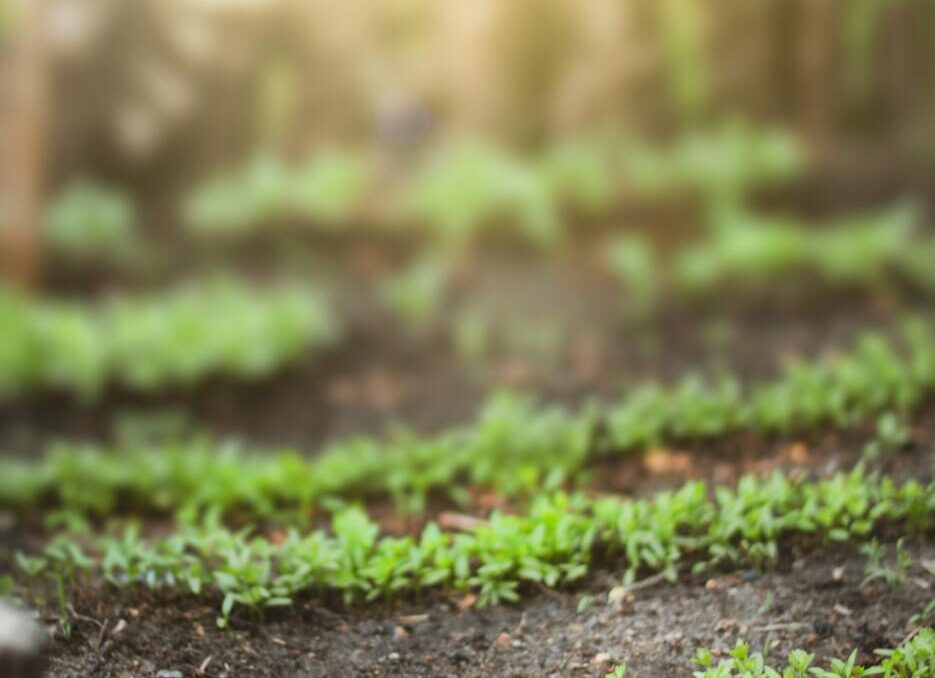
[720,164]
[325,192]
[860,249]
[89,222]
[632,260]
[152,341]
[872,377]
[468,187]
[866,250]
[583,172]
[416,293]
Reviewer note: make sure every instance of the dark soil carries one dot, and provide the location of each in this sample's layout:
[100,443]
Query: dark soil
[814,599]
[820,452]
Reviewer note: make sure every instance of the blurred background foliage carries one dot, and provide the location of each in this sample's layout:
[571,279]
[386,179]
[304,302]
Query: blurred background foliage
[678,146]
[157,92]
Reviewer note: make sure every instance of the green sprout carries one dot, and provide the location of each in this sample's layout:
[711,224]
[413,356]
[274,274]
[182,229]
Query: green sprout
[89,221]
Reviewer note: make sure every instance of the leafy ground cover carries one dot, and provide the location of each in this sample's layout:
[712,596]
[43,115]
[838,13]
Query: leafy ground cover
[280,564]
[551,545]
[458,192]
[514,448]
[155,340]
[860,250]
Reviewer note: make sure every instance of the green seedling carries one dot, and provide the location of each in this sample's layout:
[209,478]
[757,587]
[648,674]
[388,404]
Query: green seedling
[913,659]
[719,164]
[894,574]
[892,435]
[325,191]
[633,262]
[416,293]
[88,222]
[925,616]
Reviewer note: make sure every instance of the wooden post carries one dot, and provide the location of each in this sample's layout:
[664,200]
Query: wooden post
[22,144]
[815,78]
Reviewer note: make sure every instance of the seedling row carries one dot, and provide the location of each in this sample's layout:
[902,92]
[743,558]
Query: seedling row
[514,448]
[555,543]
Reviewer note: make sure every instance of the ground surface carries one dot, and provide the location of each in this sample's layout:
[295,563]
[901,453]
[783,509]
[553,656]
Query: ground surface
[812,598]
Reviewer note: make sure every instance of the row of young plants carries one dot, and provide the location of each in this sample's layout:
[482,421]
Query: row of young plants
[465,187]
[720,166]
[514,447]
[914,658]
[866,250]
[88,223]
[554,543]
[458,191]
[326,190]
[861,250]
[855,249]
[148,341]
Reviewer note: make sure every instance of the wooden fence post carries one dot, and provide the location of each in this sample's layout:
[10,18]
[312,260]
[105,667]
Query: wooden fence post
[22,143]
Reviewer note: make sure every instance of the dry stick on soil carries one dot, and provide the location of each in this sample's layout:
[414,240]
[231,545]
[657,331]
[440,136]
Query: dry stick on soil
[782,626]
[105,642]
[200,671]
[459,522]
[647,582]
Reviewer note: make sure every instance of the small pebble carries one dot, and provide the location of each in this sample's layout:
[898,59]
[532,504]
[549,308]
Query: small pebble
[393,656]
[618,597]
[22,644]
[169,673]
